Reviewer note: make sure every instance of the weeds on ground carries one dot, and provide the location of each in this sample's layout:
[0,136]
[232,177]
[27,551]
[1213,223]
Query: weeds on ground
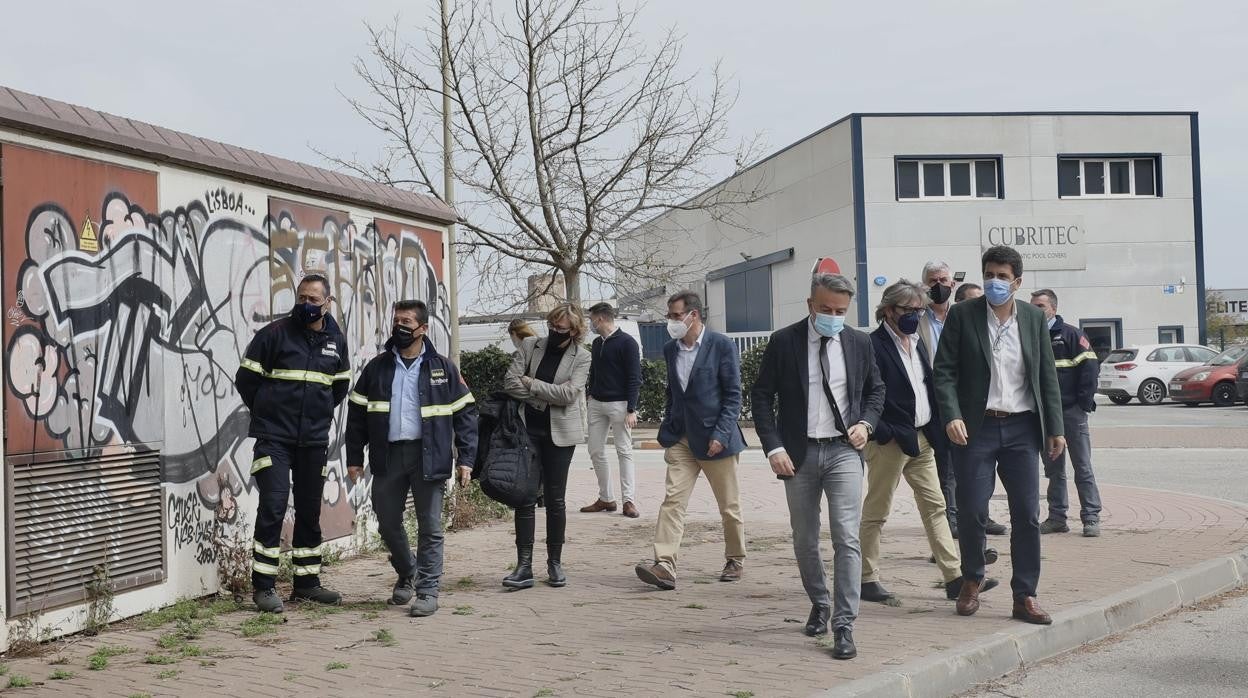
[159,659]
[233,554]
[98,659]
[384,637]
[741,694]
[61,675]
[19,681]
[27,638]
[168,674]
[261,624]
[99,600]
[465,507]
[462,611]
[335,666]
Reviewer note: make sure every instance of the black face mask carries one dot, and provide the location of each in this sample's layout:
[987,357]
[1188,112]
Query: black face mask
[307,313]
[557,338]
[402,337]
[939,293]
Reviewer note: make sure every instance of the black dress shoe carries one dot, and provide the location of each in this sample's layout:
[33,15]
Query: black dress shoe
[990,556]
[817,624]
[874,591]
[993,528]
[952,589]
[844,647]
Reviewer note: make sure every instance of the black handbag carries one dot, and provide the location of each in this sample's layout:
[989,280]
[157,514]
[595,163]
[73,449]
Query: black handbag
[509,472]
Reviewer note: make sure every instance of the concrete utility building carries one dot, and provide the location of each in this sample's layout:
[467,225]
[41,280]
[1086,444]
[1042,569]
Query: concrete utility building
[1104,206]
[138,262]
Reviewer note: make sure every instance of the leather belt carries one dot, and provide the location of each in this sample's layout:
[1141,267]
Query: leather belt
[998,414]
[829,440]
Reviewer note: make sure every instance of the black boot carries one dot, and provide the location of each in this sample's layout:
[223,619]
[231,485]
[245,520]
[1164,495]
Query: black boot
[522,577]
[554,567]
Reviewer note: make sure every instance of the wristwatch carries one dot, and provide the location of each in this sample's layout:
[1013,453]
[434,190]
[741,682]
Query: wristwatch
[870,429]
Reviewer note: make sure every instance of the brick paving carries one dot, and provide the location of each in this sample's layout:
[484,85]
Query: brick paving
[606,633]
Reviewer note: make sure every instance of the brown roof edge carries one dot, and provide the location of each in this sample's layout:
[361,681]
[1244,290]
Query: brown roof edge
[398,202]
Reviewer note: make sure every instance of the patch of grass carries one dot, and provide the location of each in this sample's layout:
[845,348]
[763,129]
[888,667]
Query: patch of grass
[371,615]
[335,666]
[159,659]
[290,677]
[544,692]
[490,615]
[741,694]
[168,641]
[99,658]
[61,675]
[384,637]
[4,669]
[224,605]
[140,695]
[261,624]
[168,674]
[462,611]
[465,583]
[364,606]
[186,609]
[189,650]
[19,681]
[697,606]
[207,662]
[318,611]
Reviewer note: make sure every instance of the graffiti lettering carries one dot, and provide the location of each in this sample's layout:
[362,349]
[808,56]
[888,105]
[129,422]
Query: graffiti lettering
[190,527]
[221,200]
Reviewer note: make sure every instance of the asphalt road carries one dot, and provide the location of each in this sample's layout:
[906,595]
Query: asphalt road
[1197,653]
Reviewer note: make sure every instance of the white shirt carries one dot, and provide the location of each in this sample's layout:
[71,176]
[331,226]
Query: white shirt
[685,356]
[914,370]
[1007,389]
[820,424]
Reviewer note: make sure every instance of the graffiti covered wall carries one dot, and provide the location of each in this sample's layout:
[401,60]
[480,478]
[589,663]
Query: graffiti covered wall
[126,319]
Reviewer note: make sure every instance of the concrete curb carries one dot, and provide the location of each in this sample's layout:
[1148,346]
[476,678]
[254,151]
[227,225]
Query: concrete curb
[963,667]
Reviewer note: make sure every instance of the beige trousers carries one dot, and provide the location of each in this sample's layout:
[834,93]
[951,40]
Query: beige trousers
[682,473]
[885,466]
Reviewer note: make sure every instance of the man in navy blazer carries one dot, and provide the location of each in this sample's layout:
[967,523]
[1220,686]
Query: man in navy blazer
[905,442]
[701,435]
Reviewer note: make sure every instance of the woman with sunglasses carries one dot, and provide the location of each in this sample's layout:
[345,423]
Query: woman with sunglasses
[549,374]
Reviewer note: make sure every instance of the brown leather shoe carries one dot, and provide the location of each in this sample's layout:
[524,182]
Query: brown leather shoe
[656,575]
[732,571]
[1029,611]
[598,506]
[968,598]
[630,510]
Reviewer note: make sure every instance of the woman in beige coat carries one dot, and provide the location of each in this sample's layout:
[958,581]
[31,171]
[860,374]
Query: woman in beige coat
[549,375]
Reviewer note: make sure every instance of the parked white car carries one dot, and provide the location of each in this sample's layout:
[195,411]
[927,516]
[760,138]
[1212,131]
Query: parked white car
[1144,372]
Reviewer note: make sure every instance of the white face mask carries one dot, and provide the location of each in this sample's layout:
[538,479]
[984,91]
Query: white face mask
[516,341]
[677,328]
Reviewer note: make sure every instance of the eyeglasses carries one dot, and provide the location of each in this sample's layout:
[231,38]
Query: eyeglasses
[910,308]
[678,316]
[560,330]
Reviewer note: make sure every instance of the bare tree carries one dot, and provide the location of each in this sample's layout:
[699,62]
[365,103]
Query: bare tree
[569,132]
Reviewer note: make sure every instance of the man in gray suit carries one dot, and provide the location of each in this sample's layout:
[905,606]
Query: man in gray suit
[816,402]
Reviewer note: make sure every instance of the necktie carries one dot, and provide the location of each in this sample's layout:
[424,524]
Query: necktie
[827,389]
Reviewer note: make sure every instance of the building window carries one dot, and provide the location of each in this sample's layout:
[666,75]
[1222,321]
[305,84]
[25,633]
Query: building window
[1107,177]
[747,300]
[1170,334]
[948,179]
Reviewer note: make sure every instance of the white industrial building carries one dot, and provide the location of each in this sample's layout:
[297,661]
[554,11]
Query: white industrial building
[1104,206]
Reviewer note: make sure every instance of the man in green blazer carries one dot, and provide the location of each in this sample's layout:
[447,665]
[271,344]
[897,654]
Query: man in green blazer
[996,385]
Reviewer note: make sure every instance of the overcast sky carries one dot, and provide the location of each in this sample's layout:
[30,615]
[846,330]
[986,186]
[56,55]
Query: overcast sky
[266,74]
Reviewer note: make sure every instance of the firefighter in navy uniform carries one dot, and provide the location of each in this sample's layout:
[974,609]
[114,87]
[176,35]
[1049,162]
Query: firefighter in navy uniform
[1077,370]
[294,374]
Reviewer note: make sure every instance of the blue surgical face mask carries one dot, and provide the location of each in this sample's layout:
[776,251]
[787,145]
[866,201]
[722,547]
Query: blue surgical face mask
[908,323]
[1052,321]
[829,325]
[997,291]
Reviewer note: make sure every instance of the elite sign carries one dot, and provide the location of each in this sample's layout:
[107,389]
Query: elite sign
[1046,243]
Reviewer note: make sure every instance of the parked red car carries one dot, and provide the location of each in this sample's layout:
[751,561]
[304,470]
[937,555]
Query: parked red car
[1212,382]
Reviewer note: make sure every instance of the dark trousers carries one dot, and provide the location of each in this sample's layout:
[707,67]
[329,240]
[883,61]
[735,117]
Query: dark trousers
[1079,445]
[1009,447]
[405,473]
[554,461]
[948,482]
[274,467]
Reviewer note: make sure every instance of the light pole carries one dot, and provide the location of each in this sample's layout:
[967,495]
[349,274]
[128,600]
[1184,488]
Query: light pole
[448,184]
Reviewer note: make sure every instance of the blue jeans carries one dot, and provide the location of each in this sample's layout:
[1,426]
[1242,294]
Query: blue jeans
[1079,444]
[834,471]
[404,473]
[1009,447]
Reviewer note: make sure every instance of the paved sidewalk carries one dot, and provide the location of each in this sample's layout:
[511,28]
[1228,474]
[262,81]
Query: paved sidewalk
[606,633]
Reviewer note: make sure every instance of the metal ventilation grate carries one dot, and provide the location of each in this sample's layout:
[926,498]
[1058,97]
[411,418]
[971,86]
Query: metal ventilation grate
[67,516]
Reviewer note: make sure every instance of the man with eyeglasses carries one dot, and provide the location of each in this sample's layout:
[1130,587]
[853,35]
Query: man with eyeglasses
[905,442]
[292,378]
[998,396]
[701,435]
